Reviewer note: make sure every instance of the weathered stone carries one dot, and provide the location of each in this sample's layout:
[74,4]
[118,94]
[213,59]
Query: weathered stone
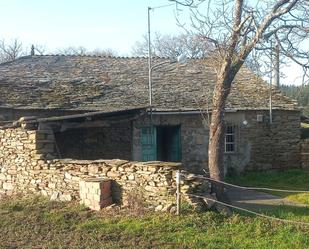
[223,209]
[67,175]
[159,208]
[7,186]
[131,177]
[65,197]
[113,174]
[54,196]
[173,209]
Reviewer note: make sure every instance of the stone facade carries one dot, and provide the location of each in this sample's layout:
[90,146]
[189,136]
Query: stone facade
[193,136]
[113,141]
[259,145]
[271,146]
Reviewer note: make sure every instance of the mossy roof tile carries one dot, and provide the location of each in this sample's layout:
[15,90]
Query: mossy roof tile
[112,83]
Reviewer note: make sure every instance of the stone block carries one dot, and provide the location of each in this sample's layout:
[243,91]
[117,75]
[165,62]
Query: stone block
[52,185]
[200,140]
[7,186]
[151,189]
[32,136]
[65,197]
[93,169]
[113,174]
[67,175]
[131,177]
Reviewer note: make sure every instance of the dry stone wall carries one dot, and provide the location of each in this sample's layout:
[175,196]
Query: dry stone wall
[26,166]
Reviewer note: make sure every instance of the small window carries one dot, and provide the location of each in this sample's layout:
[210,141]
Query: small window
[230,143]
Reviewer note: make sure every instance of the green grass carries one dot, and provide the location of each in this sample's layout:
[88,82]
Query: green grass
[290,179]
[38,223]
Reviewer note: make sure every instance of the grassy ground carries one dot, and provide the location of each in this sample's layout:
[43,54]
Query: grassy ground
[38,223]
[290,179]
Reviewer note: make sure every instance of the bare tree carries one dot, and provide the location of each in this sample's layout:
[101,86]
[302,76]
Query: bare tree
[192,46]
[83,51]
[239,29]
[72,50]
[10,51]
[103,52]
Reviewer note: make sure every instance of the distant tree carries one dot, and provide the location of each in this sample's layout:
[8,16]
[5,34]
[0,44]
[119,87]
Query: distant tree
[103,52]
[83,51]
[10,51]
[172,46]
[72,50]
[299,93]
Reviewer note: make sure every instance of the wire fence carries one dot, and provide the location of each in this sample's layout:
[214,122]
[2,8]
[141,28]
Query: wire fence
[247,188]
[192,176]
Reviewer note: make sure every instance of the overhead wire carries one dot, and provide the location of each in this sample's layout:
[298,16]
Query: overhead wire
[246,188]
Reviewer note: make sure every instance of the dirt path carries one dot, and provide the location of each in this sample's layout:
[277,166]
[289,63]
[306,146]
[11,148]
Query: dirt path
[254,200]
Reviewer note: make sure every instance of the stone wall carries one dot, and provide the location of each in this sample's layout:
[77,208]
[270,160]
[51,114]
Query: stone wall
[24,168]
[259,145]
[264,146]
[113,141]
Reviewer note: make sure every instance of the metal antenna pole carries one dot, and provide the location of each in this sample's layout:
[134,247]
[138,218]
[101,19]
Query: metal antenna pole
[149,62]
[277,66]
[270,83]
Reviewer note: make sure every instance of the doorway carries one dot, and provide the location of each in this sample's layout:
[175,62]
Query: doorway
[168,143]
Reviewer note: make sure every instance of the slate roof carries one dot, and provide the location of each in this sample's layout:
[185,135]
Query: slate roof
[117,83]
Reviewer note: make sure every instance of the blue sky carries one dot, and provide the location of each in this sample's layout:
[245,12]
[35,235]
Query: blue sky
[92,24]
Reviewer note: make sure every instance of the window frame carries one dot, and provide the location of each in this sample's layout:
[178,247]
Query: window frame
[233,134]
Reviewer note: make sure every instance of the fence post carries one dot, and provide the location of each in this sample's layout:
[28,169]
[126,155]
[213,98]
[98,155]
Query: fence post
[178,192]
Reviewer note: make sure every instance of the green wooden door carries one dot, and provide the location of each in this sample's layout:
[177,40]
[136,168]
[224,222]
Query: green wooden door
[174,153]
[149,143]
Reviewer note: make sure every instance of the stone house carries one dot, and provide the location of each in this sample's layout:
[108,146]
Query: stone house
[97,108]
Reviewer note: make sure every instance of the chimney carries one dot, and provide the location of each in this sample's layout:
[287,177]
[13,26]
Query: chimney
[32,50]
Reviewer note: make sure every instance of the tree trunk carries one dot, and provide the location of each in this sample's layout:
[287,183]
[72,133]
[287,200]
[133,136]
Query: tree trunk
[217,134]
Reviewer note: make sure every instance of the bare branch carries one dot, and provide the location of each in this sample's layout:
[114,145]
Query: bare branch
[10,51]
